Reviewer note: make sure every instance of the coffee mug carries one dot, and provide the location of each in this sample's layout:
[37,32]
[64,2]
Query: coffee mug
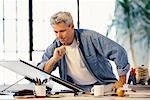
[98,90]
[40,90]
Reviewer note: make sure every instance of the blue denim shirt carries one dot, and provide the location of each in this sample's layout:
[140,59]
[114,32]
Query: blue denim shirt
[95,50]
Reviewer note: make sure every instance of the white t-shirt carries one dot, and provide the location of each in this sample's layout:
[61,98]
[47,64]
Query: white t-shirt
[76,68]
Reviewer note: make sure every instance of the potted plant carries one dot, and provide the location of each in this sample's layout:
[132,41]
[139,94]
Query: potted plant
[132,22]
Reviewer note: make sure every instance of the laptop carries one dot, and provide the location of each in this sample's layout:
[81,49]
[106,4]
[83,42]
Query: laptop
[32,72]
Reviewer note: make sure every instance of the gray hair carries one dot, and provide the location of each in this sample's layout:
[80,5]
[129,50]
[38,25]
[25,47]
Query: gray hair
[61,17]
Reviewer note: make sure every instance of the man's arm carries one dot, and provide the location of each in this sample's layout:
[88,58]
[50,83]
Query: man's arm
[122,77]
[48,67]
[114,52]
[120,82]
[58,54]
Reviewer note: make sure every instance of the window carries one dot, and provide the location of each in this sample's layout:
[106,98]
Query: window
[43,34]
[14,35]
[96,14]
[14,26]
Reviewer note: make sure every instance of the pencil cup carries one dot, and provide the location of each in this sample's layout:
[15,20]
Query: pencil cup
[40,90]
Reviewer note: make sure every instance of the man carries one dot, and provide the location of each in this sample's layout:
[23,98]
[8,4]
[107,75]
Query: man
[82,55]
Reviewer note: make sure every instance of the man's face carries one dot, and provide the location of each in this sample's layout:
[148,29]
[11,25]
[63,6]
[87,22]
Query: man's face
[64,33]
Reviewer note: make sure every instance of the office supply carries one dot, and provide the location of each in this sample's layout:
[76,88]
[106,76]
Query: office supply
[25,69]
[24,92]
[44,81]
[38,81]
[40,90]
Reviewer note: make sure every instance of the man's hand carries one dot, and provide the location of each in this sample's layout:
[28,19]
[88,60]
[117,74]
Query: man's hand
[59,52]
[120,82]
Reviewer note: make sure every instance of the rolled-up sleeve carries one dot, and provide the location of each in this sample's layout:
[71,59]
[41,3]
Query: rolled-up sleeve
[46,56]
[41,65]
[123,71]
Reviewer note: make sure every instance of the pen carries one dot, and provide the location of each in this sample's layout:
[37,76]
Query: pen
[38,81]
[44,81]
